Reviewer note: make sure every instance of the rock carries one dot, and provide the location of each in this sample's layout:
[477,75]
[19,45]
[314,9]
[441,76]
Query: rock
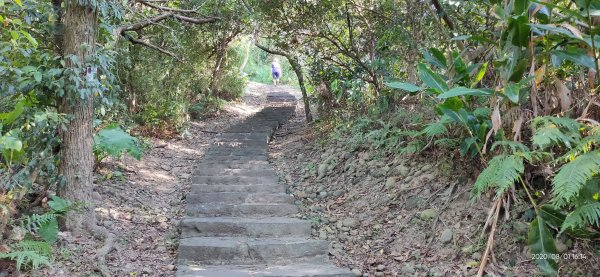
[426,168]
[412,202]
[390,182]
[435,272]
[322,235]
[381,267]
[379,274]
[357,272]
[428,214]
[446,236]
[402,170]
[350,222]
[408,269]
[107,223]
[300,157]
[322,194]
[96,196]
[467,249]
[165,167]
[476,256]
[322,170]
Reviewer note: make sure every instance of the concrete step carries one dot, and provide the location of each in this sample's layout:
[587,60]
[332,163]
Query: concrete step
[241,210]
[233,169]
[236,180]
[235,172]
[247,251]
[235,226]
[239,198]
[266,188]
[293,270]
[239,164]
[235,159]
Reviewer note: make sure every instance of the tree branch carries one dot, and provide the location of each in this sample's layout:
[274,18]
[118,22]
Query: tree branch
[163,8]
[151,46]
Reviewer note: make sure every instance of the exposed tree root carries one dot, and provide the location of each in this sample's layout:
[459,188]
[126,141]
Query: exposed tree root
[109,243]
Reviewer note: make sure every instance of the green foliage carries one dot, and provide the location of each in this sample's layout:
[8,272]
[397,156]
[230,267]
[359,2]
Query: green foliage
[113,141]
[501,174]
[27,257]
[541,243]
[206,107]
[582,216]
[34,253]
[573,176]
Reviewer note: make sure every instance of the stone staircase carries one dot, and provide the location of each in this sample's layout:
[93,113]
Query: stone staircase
[239,218]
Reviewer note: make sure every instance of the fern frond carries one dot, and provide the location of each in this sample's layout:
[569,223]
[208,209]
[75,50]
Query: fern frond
[501,173]
[585,145]
[436,128]
[412,147]
[27,258]
[514,146]
[33,222]
[447,142]
[573,176]
[551,135]
[582,216]
[40,247]
[550,131]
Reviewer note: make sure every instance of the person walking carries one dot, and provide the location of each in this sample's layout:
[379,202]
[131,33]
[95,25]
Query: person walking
[276,71]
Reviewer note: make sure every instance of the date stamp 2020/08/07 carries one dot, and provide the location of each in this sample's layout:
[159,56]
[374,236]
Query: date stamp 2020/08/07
[564,256]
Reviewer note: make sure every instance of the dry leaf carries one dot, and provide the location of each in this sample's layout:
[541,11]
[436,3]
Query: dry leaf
[573,30]
[517,128]
[564,95]
[496,124]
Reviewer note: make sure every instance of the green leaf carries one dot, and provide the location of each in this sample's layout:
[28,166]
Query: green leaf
[480,74]
[461,91]
[10,143]
[48,231]
[115,141]
[541,244]
[520,6]
[37,76]
[404,86]
[31,40]
[520,30]
[18,2]
[551,215]
[431,79]
[577,56]
[10,117]
[435,57]
[59,205]
[452,103]
[511,92]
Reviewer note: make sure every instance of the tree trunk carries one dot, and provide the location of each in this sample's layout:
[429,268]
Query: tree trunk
[80,23]
[298,70]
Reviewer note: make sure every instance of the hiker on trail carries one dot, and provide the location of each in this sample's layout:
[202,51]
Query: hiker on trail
[275,71]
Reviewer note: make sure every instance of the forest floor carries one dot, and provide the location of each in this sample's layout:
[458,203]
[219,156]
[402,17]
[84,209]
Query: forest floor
[384,215]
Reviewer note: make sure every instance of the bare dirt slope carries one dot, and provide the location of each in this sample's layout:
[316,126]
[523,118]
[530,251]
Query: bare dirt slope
[403,215]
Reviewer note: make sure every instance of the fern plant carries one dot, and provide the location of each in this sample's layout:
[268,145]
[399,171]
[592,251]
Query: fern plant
[35,253]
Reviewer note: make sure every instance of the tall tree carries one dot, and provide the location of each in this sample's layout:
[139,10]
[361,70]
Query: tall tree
[79,49]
